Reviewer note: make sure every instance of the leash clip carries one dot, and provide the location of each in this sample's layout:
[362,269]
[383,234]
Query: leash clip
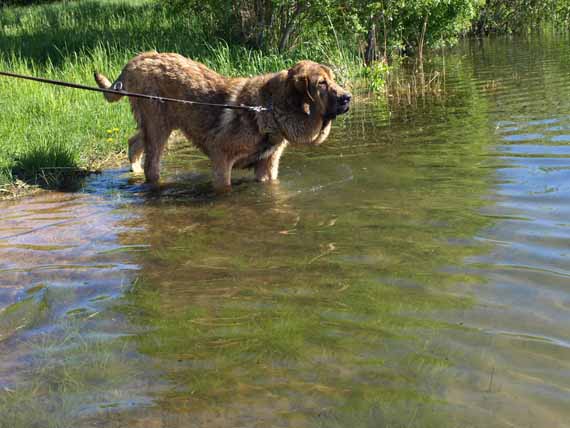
[257,109]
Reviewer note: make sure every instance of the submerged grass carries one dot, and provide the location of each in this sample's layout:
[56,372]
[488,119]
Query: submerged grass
[62,370]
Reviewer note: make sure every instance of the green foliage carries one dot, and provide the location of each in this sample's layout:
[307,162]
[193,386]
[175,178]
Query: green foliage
[375,75]
[268,24]
[285,24]
[24,2]
[562,13]
[406,25]
[382,28]
[515,16]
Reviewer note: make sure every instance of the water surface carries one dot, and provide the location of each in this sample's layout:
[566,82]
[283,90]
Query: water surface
[412,272]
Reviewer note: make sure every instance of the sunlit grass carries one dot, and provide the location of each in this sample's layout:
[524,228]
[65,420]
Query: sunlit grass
[45,129]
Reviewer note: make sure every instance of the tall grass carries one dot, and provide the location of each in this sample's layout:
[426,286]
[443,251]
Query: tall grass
[45,127]
[48,127]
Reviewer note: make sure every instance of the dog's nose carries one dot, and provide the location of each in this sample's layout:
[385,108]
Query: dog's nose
[345,99]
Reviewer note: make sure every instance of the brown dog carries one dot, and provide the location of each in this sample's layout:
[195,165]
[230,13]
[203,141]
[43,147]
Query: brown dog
[303,102]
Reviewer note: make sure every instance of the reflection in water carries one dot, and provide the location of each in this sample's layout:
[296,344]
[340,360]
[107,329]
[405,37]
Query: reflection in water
[410,273]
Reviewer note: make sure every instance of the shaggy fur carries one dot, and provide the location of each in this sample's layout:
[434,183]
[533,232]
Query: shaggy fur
[304,101]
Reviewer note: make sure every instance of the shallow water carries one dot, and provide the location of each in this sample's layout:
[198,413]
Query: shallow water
[412,272]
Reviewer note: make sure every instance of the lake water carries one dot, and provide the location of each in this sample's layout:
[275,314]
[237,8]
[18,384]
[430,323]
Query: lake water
[414,271]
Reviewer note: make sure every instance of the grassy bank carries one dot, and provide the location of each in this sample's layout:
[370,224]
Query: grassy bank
[46,132]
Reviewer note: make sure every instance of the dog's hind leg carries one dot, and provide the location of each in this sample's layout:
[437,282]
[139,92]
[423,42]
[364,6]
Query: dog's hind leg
[136,150]
[155,139]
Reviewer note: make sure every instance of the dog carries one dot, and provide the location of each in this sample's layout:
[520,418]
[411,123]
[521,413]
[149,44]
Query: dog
[302,103]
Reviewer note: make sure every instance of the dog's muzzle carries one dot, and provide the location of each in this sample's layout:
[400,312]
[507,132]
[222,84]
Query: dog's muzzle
[343,103]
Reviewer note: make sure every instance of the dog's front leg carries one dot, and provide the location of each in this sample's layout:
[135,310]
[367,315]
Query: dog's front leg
[265,170]
[222,168]
[268,169]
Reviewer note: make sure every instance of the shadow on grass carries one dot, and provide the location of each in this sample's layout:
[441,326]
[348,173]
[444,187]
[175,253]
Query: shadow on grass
[50,167]
[50,34]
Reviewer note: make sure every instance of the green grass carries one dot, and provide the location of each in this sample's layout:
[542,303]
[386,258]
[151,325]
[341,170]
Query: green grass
[47,128]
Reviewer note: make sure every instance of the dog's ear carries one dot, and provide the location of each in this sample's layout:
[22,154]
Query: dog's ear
[305,88]
[303,85]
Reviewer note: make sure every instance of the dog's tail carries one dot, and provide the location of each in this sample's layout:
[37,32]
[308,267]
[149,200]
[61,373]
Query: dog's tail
[104,83]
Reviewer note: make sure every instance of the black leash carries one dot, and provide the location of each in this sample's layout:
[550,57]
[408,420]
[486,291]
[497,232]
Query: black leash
[133,94]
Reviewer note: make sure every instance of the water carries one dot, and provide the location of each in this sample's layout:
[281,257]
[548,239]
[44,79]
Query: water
[413,272]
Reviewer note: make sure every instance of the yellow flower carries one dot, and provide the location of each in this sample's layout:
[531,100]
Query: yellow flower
[109,131]
[109,140]
[116,129]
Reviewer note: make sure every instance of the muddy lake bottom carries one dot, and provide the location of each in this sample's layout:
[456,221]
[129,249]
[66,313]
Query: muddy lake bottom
[413,271]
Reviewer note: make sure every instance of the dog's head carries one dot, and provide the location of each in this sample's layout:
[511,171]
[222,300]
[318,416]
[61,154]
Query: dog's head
[313,89]
[306,99]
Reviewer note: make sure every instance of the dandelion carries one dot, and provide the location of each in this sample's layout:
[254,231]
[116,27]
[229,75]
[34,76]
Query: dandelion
[109,131]
[116,129]
[109,140]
